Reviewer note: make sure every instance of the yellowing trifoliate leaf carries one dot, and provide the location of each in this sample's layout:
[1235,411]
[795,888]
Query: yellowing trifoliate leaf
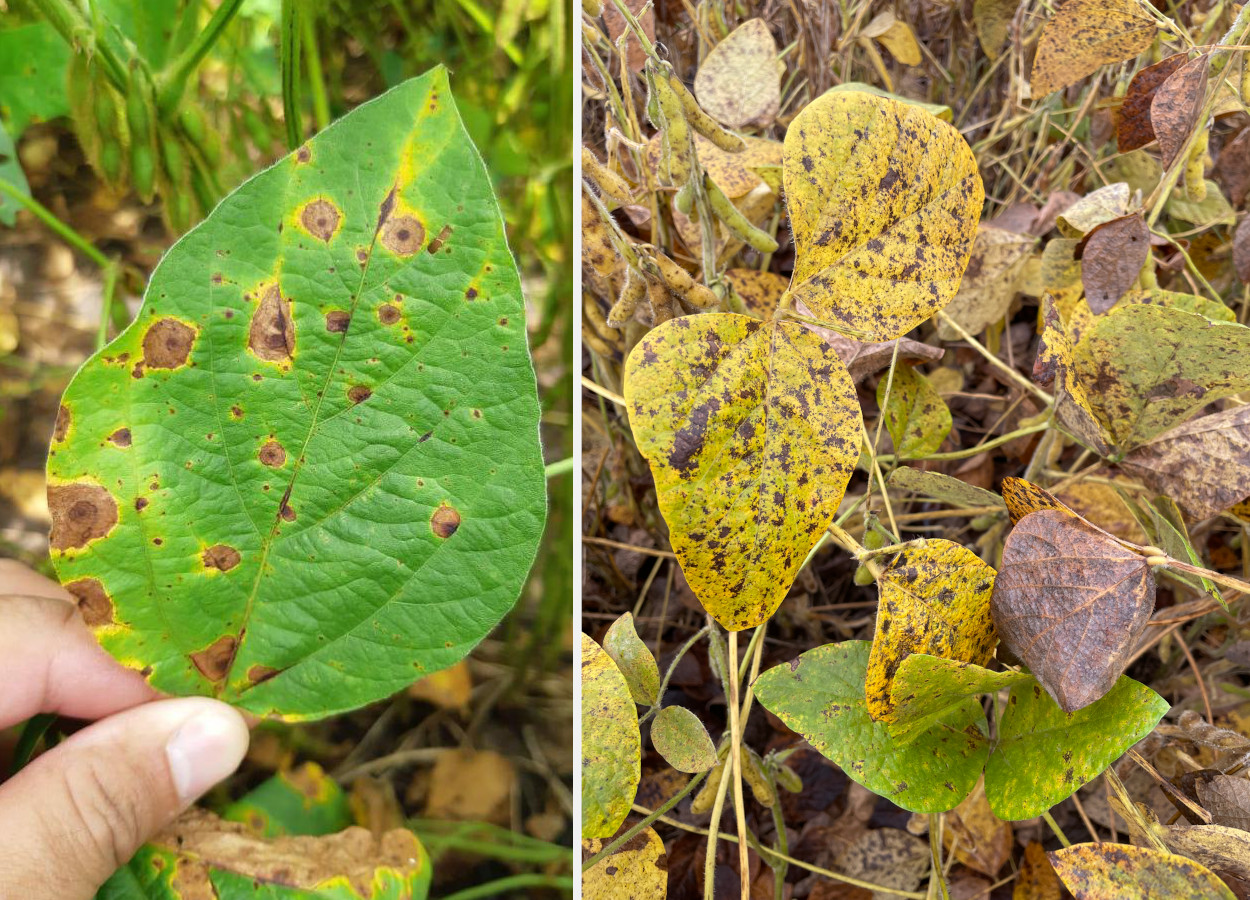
[611,747]
[1124,872]
[935,599]
[1053,367]
[752,430]
[884,200]
[638,868]
[634,660]
[916,416]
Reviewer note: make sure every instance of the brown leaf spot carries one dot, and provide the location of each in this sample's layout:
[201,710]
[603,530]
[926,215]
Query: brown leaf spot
[236,412]
[337,320]
[439,240]
[258,673]
[287,513]
[272,454]
[215,659]
[303,154]
[388,314]
[93,601]
[166,345]
[321,219]
[403,235]
[222,557]
[272,333]
[445,521]
[63,420]
[81,513]
[358,393]
[141,504]
[121,437]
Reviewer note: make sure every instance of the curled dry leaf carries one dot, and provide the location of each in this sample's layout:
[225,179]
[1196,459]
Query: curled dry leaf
[1084,35]
[915,415]
[990,281]
[638,868]
[1071,602]
[935,599]
[1241,250]
[1133,127]
[1123,872]
[611,747]
[739,83]
[1093,209]
[884,200]
[1113,257]
[1227,799]
[1203,464]
[681,739]
[1054,367]
[752,430]
[1175,106]
[635,661]
[895,35]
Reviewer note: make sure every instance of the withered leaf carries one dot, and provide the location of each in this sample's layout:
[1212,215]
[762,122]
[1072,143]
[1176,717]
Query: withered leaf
[1053,366]
[1133,127]
[1093,209]
[739,83]
[1241,250]
[1084,35]
[1204,464]
[1175,106]
[1070,602]
[992,20]
[990,281]
[1227,799]
[980,839]
[1120,871]
[1114,254]
[1037,879]
[617,26]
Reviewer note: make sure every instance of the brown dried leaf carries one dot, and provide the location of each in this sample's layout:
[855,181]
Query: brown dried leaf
[1232,168]
[1227,799]
[982,841]
[1241,250]
[617,27]
[1070,602]
[998,259]
[739,83]
[1037,879]
[1175,106]
[1084,35]
[1114,254]
[1204,464]
[1133,127]
[863,359]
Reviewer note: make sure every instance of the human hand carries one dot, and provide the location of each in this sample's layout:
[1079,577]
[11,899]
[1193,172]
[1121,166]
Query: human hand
[78,812]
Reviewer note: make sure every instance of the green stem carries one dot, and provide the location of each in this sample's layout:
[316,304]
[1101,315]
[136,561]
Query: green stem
[560,467]
[616,843]
[935,849]
[68,20]
[316,78]
[173,80]
[973,451]
[110,286]
[1054,826]
[288,51]
[512,883]
[44,215]
[685,648]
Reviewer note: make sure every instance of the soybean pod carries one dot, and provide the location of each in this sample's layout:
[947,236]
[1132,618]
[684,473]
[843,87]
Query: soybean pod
[735,221]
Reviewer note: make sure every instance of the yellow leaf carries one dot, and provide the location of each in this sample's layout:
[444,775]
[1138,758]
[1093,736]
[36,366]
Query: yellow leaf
[884,200]
[895,36]
[752,430]
[1054,364]
[760,291]
[738,83]
[449,689]
[1084,35]
[611,747]
[935,599]
[638,868]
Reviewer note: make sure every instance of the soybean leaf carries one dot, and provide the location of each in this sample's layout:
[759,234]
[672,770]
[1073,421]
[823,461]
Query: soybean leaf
[203,856]
[1133,125]
[1212,209]
[1241,250]
[635,661]
[990,281]
[1149,368]
[760,292]
[1037,879]
[304,800]
[1084,35]
[895,35]
[611,747]
[682,740]
[915,414]
[821,695]
[935,599]
[945,488]
[1123,872]
[884,200]
[1023,497]
[1220,848]
[976,837]
[1054,366]
[33,60]
[308,473]
[638,868]
[1114,254]
[1175,106]
[1168,528]
[945,113]
[10,171]
[1204,464]
[992,21]
[926,686]
[635,56]
[739,82]
[1227,799]
[1210,309]
[1071,602]
[1093,209]
[752,430]
[1044,754]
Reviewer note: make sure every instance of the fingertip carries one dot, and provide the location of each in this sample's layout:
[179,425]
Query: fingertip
[207,745]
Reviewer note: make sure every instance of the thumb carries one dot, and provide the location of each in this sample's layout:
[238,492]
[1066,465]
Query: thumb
[81,810]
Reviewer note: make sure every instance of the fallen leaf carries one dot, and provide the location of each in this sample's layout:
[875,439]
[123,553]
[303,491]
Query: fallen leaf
[1122,872]
[884,201]
[752,431]
[1043,754]
[916,416]
[1054,368]
[935,599]
[681,739]
[1071,603]
[981,840]
[889,857]
[1084,35]
[1227,799]
[633,659]
[1115,253]
[821,695]
[449,689]
[945,488]
[1037,879]
[636,869]
[1203,464]
[472,785]
[1133,127]
[636,57]
[611,747]
[992,20]
[1175,107]
[1093,209]
[895,35]
[990,281]
[738,82]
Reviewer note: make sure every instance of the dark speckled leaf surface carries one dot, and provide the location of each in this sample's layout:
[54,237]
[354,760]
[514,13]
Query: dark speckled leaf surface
[309,472]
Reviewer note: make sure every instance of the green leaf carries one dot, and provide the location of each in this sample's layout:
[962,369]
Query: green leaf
[611,747]
[10,171]
[634,660]
[33,60]
[681,739]
[1044,754]
[150,24]
[926,686]
[1212,209]
[203,856]
[303,801]
[916,416]
[309,474]
[946,488]
[821,695]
